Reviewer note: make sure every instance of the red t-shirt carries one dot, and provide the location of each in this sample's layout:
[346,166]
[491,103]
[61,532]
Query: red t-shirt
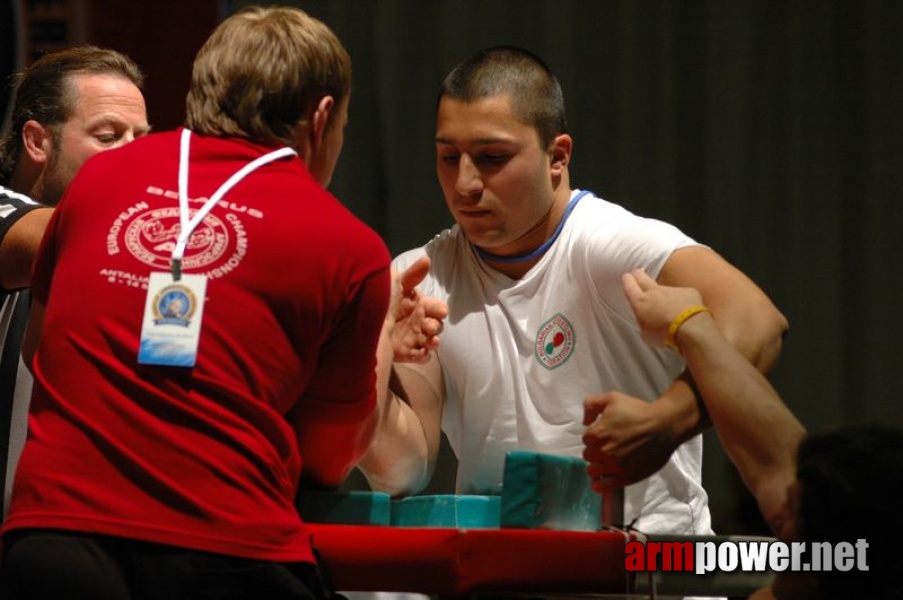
[203,457]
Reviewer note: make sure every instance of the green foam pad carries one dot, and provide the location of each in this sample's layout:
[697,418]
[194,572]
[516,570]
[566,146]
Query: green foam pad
[444,510]
[545,491]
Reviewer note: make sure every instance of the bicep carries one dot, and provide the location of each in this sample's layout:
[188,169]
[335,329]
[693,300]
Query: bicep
[744,313]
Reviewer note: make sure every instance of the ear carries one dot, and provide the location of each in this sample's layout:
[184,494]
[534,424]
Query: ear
[37,141]
[560,153]
[320,120]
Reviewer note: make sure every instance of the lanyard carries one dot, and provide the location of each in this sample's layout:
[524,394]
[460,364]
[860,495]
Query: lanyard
[188,225]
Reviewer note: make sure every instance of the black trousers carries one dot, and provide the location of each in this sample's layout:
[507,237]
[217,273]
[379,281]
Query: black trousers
[52,564]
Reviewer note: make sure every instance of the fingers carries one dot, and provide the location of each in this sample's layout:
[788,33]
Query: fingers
[606,474]
[414,274]
[432,327]
[434,309]
[593,407]
[636,283]
[644,280]
[631,286]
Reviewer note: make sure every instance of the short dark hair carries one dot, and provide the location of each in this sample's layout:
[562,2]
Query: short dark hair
[535,92]
[44,93]
[849,489]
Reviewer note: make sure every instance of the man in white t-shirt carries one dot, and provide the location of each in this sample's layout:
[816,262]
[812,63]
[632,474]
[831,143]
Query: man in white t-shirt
[538,323]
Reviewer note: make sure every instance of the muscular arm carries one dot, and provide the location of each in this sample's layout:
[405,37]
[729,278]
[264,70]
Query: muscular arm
[20,246]
[640,436]
[758,432]
[410,390]
[745,316]
[756,429]
[402,457]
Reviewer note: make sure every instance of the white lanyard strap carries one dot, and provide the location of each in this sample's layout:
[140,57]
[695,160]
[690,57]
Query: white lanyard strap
[188,223]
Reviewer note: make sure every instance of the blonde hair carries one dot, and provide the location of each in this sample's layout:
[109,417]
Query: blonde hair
[262,72]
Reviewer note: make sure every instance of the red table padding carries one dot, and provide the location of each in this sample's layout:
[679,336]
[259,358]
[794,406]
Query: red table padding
[457,562]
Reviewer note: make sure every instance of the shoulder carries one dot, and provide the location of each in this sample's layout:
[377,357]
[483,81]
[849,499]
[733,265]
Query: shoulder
[607,234]
[449,253]
[442,249]
[595,215]
[339,234]
[14,206]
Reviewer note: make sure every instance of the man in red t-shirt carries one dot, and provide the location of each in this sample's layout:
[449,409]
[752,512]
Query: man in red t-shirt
[209,320]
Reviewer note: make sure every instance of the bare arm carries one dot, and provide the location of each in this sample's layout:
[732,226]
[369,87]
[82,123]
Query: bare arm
[756,429]
[403,455]
[745,315]
[20,246]
[410,390]
[641,436]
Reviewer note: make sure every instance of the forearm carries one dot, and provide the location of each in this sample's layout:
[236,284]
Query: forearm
[744,315]
[403,454]
[680,412]
[680,405]
[398,461]
[758,432]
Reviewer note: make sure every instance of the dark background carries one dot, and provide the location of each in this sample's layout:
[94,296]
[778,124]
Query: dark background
[770,130]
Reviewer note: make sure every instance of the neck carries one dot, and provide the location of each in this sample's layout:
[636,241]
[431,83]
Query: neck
[24,180]
[517,265]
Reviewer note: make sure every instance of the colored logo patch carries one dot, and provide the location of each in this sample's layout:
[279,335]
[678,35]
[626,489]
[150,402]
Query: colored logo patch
[554,342]
[174,305]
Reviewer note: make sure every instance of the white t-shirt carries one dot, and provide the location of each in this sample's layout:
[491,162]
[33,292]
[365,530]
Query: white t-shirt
[520,356]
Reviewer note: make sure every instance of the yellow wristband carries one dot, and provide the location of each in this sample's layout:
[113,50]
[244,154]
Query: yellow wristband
[678,321]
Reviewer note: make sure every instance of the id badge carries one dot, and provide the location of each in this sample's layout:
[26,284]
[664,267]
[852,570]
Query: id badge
[171,328]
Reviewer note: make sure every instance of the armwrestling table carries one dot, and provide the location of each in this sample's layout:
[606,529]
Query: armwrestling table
[455,563]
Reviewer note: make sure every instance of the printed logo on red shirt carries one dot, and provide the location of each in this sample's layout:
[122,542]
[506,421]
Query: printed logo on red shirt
[149,234]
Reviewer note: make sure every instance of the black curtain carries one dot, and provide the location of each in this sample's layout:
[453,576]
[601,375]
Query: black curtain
[11,54]
[770,130]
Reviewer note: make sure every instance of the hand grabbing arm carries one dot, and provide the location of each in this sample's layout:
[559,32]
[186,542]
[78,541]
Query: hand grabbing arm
[756,429]
[748,321]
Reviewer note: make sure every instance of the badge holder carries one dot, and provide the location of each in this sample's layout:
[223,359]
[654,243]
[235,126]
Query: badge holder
[173,311]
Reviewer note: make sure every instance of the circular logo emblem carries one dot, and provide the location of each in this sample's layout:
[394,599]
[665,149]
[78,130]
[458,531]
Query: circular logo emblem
[554,342]
[151,237]
[174,305]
